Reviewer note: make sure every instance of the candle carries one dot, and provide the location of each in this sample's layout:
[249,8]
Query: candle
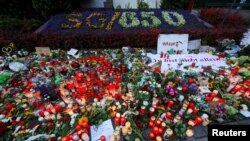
[168,115]
[142,110]
[152,119]
[128,124]
[168,133]
[189,132]
[124,131]
[123,120]
[189,111]
[158,138]
[197,120]
[117,120]
[191,123]
[151,111]
[205,122]
[129,130]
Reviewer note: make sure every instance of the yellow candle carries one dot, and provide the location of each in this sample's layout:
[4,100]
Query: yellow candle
[189,133]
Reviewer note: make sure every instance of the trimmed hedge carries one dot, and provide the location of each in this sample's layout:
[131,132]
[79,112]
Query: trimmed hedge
[146,39]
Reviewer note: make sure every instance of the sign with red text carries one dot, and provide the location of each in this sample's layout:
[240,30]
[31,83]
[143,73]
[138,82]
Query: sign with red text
[172,43]
[181,61]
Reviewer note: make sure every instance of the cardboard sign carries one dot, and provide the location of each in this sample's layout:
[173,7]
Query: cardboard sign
[43,50]
[180,61]
[176,43]
[194,44]
[106,129]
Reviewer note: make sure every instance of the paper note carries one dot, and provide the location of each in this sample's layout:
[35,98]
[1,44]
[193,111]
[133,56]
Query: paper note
[174,43]
[43,50]
[105,129]
[194,44]
[245,113]
[72,52]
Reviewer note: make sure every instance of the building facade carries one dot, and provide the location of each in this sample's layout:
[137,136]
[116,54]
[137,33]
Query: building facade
[124,4]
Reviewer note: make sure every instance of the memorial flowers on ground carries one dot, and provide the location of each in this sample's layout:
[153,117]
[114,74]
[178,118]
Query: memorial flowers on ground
[59,97]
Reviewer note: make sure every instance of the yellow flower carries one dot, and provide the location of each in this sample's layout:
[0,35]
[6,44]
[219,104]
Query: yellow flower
[12,45]
[83,119]
[29,113]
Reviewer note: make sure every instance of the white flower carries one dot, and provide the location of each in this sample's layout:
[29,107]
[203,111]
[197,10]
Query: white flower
[2,116]
[18,119]
[53,110]
[98,103]
[70,106]
[59,116]
[5,120]
[52,116]
[46,113]
[117,103]
[73,119]
[119,106]
[180,19]
[24,105]
[62,104]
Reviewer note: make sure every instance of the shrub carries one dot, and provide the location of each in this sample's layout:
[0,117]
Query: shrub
[147,39]
[212,15]
[49,7]
[235,20]
[215,17]
[17,24]
[173,4]
[142,5]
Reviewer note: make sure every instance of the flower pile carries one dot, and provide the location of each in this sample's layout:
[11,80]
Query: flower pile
[59,97]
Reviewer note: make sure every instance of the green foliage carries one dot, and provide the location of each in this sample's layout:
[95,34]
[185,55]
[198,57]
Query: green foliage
[231,111]
[173,4]
[119,7]
[180,129]
[17,8]
[142,5]
[127,6]
[50,7]
[17,24]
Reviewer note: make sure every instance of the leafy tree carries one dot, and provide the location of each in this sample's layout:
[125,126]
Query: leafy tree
[142,5]
[50,7]
[173,4]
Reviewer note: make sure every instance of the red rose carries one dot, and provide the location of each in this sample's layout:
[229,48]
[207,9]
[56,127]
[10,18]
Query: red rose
[9,106]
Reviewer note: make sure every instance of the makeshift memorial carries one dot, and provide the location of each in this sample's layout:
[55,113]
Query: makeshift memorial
[59,97]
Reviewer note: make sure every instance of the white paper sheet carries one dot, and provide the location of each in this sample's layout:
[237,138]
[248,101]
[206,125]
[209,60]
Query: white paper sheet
[106,129]
[245,113]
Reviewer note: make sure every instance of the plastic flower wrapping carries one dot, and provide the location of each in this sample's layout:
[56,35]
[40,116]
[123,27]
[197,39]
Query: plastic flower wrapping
[59,97]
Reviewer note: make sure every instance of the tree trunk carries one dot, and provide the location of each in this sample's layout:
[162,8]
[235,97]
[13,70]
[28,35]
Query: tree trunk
[190,5]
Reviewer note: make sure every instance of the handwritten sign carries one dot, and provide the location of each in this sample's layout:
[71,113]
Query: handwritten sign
[43,50]
[106,129]
[177,43]
[180,61]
